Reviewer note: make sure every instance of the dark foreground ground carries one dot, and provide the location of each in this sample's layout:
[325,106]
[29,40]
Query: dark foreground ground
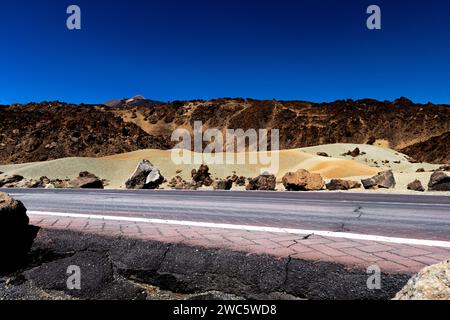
[124,268]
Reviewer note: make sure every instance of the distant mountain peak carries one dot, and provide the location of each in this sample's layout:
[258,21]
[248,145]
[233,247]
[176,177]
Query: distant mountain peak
[138,100]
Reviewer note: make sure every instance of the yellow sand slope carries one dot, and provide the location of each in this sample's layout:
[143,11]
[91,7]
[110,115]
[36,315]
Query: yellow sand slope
[118,168]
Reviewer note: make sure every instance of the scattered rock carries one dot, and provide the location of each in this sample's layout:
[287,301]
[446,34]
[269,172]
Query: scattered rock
[179,184]
[239,181]
[202,176]
[302,180]
[383,179]
[353,153]
[420,170]
[86,180]
[431,283]
[411,160]
[371,141]
[444,168]
[146,176]
[339,184]
[47,183]
[33,184]
[223,184]
[11,181]
[439,181]
[264,182]
[416,185]
[323,154]
[52,145]
[16,236]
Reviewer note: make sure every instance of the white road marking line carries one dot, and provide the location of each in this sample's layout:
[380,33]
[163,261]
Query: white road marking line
[330,234]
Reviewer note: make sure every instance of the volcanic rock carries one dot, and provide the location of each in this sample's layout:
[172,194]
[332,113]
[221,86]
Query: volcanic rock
[432,150]
[101,130]
[439,181]
[444,168]
[416,185]
[202,176]
[86,180]
[146,176]
[371,141]
[431,283]
[302,180]
[323,154]
[16,236]
[239,181]
[339,184]
[223,184]
[353,153]
[383,179]
[179,184]
[11,181]
[264,182]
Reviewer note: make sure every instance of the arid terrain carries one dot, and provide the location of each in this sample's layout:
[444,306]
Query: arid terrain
[54,130]
[351,140]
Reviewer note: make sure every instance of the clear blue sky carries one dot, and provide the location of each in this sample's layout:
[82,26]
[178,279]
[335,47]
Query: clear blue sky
[166,50]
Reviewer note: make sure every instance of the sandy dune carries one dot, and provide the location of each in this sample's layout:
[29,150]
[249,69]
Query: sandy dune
[374,157]
[117,168]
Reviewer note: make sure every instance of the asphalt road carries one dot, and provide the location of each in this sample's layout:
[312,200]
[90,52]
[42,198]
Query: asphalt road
[392,215]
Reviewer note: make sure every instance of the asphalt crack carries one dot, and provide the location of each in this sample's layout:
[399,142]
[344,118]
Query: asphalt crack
[308,236]
[359,213]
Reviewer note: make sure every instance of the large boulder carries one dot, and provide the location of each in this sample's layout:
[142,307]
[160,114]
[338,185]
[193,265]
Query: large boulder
[339,184]
[11,181]
[146,176]
[264,182]
[383,179]
[416,185]
[86,180]
[16,236]
[439,181]
[302,180]
[432,283]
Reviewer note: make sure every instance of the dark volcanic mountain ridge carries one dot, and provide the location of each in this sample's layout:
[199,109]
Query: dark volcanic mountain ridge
[51,130]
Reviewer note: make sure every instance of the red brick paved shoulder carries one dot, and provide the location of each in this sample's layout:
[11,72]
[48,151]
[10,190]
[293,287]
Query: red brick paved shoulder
[361,254]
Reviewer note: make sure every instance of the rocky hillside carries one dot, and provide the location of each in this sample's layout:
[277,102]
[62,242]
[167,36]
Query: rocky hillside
[435,149]
[46,131]
[37,132]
